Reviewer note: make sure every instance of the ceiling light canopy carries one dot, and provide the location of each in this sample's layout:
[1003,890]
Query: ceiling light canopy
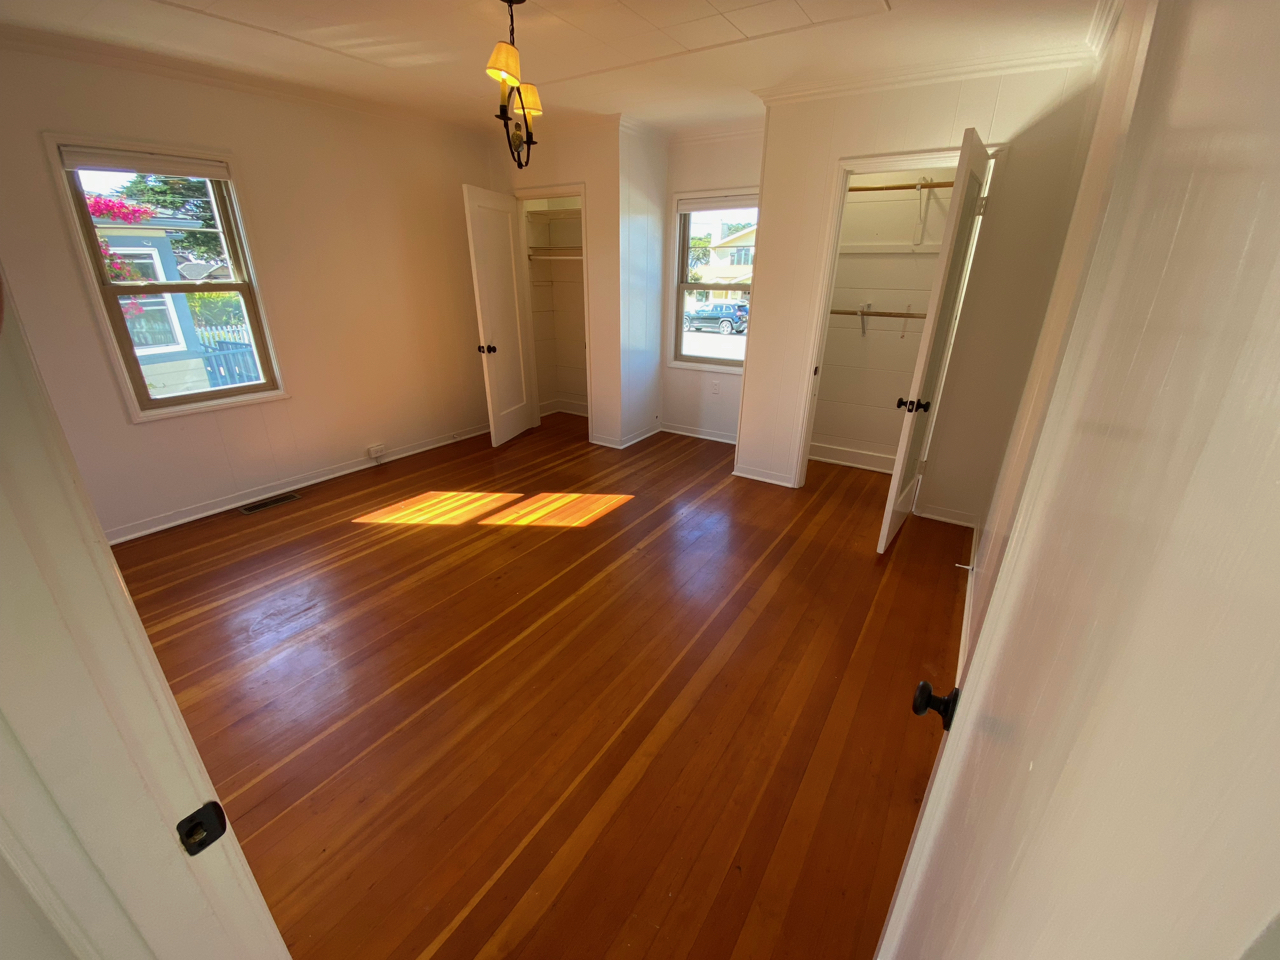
[517,102]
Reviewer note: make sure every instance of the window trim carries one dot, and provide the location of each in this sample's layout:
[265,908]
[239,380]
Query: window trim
[692,202]
[181,162]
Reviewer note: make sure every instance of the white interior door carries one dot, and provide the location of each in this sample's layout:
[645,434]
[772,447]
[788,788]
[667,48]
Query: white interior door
[499,269]
[935,344]
[96,765]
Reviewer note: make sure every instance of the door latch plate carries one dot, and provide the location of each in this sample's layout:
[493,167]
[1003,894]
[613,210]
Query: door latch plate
[202,828]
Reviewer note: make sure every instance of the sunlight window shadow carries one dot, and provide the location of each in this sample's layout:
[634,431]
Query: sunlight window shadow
[558,510]
[448,508]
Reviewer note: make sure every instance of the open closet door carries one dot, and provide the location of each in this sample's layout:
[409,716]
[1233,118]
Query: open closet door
[935,343]
[498,269]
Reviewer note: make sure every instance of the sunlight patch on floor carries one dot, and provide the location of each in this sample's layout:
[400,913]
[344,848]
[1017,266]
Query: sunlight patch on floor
[440,507]
[558,510]
[454,507]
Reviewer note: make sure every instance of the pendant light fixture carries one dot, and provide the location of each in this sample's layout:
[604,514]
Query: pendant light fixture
[518,101]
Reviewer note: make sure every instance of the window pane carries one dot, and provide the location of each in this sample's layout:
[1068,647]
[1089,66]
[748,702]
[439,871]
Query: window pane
[152,227]
[722,245]
[191,342]
[714,324]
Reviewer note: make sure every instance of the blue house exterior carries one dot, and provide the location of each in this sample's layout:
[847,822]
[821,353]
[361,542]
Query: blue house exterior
[176,356]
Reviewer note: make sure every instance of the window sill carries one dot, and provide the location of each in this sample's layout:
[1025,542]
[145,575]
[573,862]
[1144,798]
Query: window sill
[733,369]
[203,406]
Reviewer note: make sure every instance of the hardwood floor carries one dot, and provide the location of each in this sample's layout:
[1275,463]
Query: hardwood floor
[682,730]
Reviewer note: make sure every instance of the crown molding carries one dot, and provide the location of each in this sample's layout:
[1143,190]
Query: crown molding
[1105,17]
[1072,56]
[719,136]
[641,128]
[100,53]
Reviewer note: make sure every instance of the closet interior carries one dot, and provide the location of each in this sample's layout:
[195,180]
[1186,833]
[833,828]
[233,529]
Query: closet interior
[886,269]
[554,232]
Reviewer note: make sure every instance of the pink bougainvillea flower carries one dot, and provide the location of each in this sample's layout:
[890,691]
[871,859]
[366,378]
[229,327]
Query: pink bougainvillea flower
[109,208]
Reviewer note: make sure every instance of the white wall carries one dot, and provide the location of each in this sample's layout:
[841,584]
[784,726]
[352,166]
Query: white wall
[801,198]
[1108,788]
[857,420]
[25,932]
[1032,195]
[703,403]
[356,229]
[641,216]
[1117,85]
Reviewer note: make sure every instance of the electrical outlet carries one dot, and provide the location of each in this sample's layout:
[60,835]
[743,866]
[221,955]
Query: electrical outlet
[715,386]
[376,451]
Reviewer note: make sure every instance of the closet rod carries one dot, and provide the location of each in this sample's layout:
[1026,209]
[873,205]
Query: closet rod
[879,313]
[903,186]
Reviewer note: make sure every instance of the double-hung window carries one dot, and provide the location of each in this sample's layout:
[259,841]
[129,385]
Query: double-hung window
[717,246]
[170,262]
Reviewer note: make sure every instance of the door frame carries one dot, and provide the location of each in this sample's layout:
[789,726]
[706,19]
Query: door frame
[552,192]
[844,168]
[93,702]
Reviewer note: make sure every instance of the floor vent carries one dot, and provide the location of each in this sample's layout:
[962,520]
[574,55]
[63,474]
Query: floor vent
[269,502]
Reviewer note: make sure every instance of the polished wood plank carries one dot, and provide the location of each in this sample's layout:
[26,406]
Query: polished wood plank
[679,730]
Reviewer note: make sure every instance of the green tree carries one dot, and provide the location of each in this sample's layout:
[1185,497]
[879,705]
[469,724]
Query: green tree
[216,309]
[729,229]
[181,197]
[699,253]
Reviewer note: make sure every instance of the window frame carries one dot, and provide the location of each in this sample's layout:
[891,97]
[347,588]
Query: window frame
[180,344]
[716,200]
[141,405]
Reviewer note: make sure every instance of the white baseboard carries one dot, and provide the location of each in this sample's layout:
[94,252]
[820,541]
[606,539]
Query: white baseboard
[718,435]
[576,407]
[879,462]
[141,528]
[768,476]
[957,517]
[639,435]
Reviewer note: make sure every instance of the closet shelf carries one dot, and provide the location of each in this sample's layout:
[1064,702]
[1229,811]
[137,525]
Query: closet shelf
[555,253]
[879,313]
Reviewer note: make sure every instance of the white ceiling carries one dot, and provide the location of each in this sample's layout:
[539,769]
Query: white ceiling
[678,64]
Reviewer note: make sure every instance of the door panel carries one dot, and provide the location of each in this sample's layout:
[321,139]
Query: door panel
[499,272]
[96,764]
[927,380]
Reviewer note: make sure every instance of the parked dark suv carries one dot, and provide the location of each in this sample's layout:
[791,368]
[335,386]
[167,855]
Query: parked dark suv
[726,316]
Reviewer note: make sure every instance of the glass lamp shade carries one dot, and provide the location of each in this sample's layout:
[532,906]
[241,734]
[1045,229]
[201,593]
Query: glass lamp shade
[529,96]
[504,65]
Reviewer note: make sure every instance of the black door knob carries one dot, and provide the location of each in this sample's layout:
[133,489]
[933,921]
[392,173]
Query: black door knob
[491,349]
[480,348]
[925,700]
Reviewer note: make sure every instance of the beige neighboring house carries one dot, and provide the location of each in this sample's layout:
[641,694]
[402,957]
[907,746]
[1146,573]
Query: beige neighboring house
[731,261]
